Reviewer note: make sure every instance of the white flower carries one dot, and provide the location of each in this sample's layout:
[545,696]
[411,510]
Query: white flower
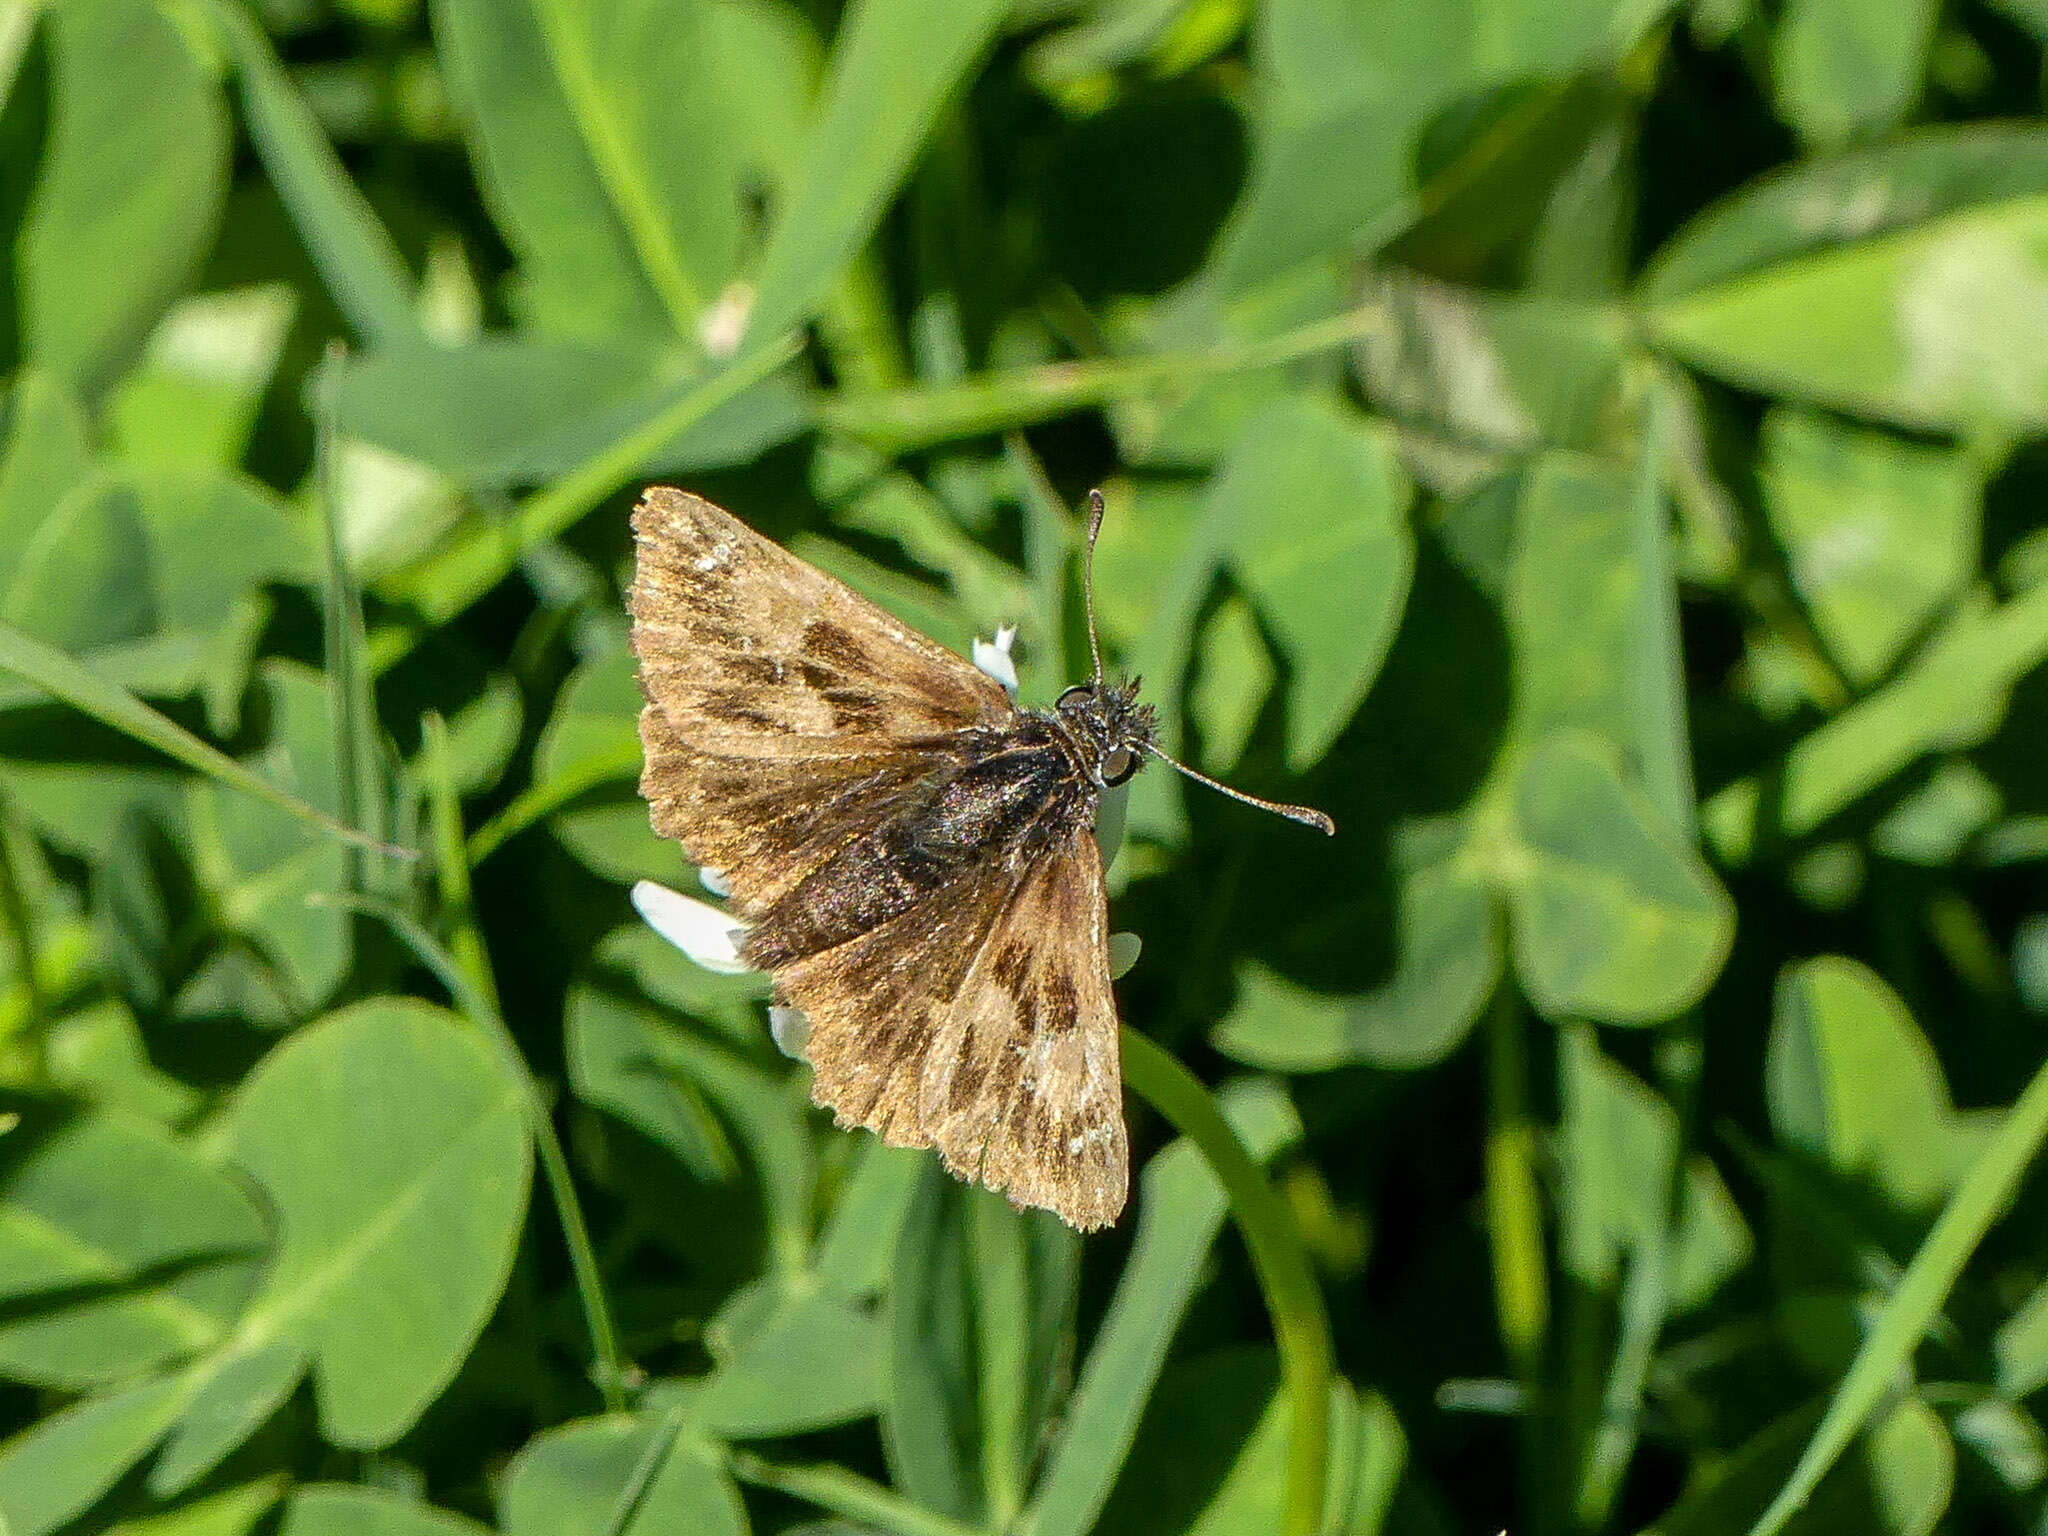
[993,657]
[721,328]
[711,937]
[708,935]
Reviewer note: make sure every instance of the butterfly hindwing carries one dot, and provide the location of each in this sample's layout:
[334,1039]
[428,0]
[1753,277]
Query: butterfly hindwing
[1023,1084]
[980,1022]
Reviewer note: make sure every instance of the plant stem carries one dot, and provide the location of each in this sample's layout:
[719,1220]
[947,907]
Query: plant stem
[1514,1211]
[451,861]
[64,678]
[544,799]
[902,420]
[443,587]
[1301,1326]
[849,1495]
[1514,1224]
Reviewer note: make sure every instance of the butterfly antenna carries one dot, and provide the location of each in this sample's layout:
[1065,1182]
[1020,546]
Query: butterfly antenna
[1096,507]
[1307,816]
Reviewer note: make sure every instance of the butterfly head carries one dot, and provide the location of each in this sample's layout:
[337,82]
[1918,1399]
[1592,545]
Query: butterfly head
[1113,729]
[1117,732]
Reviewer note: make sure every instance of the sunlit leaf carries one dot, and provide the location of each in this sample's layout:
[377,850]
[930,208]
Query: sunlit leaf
[1844,69]
[570,1480]
[1854,1083]
[119,1250]
[336,1509]
[1612,918]
[57,1469]
[1879,532]
[131,186]
[386,1276]
[1935,325]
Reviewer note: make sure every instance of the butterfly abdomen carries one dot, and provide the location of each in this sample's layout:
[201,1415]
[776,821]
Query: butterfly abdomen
[1000,804]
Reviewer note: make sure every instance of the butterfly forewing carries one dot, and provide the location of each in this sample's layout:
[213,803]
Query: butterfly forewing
[786,713]
[914,852]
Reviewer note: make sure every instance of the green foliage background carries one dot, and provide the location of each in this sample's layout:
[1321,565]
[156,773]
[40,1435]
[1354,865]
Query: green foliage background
[1595,450]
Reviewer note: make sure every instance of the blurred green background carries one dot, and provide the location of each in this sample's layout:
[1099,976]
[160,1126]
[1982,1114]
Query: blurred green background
[1595,450]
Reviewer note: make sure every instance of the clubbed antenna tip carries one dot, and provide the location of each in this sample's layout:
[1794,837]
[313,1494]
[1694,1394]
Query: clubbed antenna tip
[1096,507]
[1308,816]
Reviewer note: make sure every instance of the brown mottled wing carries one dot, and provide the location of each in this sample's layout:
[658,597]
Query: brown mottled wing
[981,1023]
[785,713]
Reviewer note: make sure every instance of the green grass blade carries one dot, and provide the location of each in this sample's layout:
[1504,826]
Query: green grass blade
[1936,702]
[624,176]
[608,1367]
[855,1499]
[115,707]
[361,266]
[1002,1295]
[1914,1306]
[443,587]
[1180,1211]
[543,800]
[365,792]
[902,421]
[451,860]
[894,65]
[1049,545]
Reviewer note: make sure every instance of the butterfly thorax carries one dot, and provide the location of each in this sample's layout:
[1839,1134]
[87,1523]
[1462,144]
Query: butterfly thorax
[1108,729]
[996,793]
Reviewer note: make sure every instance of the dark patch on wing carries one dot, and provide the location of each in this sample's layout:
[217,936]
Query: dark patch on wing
[965,1085]
[1011,966]
[836,646]
[1059,1004]
[763,671]
[852,706]
[733,711]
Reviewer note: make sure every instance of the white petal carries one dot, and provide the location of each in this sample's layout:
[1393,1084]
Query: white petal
[1123,954]
[707,934]
[791,1028]
[714,881]
[994,657]
[721,327]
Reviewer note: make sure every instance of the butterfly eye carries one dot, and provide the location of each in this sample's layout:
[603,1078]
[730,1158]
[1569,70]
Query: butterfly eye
[1119,766]
[1074,692]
